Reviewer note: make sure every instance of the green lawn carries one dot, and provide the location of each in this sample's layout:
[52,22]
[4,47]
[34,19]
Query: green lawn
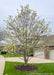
[44,69]
[11,55]
[0,52]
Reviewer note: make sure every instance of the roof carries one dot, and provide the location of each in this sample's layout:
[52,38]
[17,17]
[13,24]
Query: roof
[47,40]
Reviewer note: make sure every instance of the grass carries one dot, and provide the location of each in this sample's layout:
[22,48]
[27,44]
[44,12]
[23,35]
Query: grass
[0,52]
[44,69]
[11,55]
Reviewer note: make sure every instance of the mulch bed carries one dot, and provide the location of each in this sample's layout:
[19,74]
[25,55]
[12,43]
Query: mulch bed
[26,68]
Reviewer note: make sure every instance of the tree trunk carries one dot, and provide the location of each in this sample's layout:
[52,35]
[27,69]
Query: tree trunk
[25,63]
[25,58]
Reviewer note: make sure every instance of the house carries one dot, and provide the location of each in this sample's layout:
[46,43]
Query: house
[48,51]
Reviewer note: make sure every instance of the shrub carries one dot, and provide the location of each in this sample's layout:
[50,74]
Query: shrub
[31,52]
[3,52]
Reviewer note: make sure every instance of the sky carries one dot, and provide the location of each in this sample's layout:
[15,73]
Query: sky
[44,8]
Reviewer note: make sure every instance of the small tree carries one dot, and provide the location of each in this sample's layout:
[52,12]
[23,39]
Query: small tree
[24,30]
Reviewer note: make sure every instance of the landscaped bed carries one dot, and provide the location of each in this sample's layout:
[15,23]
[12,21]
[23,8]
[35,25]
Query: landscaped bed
[43,69]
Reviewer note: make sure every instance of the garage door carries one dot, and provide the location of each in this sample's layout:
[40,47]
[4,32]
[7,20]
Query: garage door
[39,54]
[52,54]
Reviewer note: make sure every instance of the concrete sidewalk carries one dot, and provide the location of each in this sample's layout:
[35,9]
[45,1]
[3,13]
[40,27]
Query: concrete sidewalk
[2,64]
[31,60]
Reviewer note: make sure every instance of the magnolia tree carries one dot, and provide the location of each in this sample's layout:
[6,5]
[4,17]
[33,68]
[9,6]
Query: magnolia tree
[23,31]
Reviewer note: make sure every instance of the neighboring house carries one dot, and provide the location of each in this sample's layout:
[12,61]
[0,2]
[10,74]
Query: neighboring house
[41,52]
[47,53]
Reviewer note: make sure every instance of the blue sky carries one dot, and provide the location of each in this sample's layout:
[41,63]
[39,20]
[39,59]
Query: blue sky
[44,8]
